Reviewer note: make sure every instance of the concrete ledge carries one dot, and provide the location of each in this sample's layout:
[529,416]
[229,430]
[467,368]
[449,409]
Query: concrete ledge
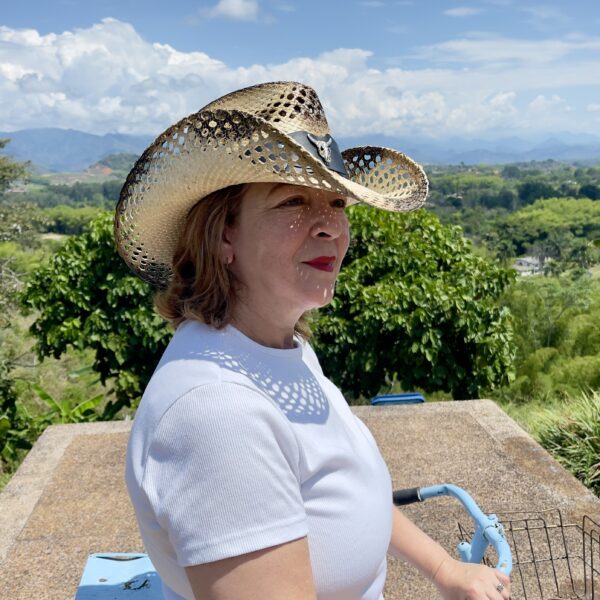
[69,500]
[22,492]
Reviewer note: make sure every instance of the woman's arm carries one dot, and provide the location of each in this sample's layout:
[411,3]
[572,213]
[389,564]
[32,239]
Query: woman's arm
[282,571]
[455,580]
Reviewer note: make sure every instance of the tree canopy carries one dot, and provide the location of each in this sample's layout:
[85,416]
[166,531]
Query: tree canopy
[10,170]
[549,227]
[87,298]
[414,304]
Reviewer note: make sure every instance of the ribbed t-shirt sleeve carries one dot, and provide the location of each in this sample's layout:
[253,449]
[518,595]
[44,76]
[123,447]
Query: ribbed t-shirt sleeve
[222,475]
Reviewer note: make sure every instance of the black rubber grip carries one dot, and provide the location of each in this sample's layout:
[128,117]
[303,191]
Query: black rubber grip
[407,496]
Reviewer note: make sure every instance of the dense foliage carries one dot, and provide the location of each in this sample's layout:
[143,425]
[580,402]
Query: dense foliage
[557,335]
[575,440]
[68,220]
[551,228]
[21,222]
[415,305]
[10,170]
[100,195]
[85,297]
[510,187]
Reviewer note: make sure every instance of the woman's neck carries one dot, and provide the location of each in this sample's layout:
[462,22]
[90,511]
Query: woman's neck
[266,330]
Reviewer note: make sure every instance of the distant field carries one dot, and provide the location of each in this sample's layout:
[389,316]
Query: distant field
[59,237]
[90,176]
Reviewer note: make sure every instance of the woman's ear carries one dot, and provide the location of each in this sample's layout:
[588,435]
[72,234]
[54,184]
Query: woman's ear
[227,252]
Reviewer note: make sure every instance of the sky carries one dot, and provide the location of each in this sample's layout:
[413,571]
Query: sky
[436,69]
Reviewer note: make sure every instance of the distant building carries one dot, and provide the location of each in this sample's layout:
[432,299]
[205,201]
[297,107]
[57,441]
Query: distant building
[528,265]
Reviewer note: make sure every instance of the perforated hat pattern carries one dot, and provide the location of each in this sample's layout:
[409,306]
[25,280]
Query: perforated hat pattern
[243,137]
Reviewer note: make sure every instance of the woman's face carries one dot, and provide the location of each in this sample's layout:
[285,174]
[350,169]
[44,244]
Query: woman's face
[287,245]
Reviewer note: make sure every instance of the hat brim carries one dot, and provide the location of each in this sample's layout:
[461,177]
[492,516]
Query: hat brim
[211,150]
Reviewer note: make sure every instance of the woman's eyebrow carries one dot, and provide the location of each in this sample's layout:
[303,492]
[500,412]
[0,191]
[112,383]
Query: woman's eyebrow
[277,187]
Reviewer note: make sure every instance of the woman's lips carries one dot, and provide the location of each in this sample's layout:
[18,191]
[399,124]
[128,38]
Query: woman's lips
[322,263]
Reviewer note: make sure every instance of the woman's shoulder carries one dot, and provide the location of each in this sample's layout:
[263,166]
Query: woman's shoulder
[195,356]
[310,357]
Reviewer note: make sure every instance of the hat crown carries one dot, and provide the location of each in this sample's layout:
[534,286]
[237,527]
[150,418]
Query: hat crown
[287,105]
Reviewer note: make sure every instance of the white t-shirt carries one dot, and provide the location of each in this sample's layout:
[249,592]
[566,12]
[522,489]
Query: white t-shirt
[237,447]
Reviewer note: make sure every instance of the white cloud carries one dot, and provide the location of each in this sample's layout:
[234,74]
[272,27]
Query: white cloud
[487,48]
[107,78]
[593,107]
[285,7]
[462,11]
[553,103]
[244,10]
[544,13]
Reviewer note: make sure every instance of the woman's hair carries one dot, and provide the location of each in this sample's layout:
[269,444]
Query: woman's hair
[202,288]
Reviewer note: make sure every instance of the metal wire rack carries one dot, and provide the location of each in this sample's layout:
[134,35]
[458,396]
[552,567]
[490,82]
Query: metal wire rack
[552,560]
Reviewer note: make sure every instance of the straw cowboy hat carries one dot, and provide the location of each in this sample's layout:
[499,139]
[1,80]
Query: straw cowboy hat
[274,132]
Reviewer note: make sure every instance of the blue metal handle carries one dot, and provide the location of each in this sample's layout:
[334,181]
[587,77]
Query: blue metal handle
[488,530]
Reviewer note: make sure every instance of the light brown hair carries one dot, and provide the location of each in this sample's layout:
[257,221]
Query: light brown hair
[202,288]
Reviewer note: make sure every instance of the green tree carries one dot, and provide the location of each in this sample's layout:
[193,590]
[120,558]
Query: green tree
[550,224]
[16,224]
[21,222]
[557,335]
[69,220]
[590,191]
[85,297]
[530,191]
[415,305]
[511,172]
[14,434]
[540,305]
[10,170]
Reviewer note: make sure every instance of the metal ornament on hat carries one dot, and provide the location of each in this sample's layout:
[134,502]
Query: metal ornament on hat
[323,146]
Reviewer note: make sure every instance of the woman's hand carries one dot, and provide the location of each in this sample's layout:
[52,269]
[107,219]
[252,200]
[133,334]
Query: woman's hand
[455,580]
[465,581]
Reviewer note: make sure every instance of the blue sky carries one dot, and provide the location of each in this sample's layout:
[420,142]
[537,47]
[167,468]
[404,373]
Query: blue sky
[486,68]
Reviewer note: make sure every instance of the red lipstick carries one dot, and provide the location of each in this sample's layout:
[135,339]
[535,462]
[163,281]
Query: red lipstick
[323,263]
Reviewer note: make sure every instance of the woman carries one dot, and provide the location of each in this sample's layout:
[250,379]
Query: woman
[250,476]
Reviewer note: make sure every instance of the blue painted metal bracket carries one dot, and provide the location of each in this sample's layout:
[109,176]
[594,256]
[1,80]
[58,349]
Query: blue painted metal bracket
[119,576]
[404,398]
[487,528]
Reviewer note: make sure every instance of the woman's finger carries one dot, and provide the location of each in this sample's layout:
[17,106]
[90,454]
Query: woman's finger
[505,581]
[503,585]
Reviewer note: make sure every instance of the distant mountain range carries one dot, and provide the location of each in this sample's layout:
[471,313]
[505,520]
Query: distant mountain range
[63,150]
[452,151]
[68,150]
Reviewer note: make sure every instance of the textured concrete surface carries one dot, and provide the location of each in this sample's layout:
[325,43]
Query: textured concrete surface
[69,500]
[477,446]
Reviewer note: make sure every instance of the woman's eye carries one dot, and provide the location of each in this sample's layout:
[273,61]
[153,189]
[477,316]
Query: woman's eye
[296,201]
[339,203]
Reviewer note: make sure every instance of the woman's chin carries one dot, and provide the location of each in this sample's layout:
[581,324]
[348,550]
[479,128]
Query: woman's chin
[321,299]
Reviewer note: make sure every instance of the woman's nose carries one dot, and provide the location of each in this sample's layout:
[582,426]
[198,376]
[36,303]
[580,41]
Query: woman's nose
[329,223]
